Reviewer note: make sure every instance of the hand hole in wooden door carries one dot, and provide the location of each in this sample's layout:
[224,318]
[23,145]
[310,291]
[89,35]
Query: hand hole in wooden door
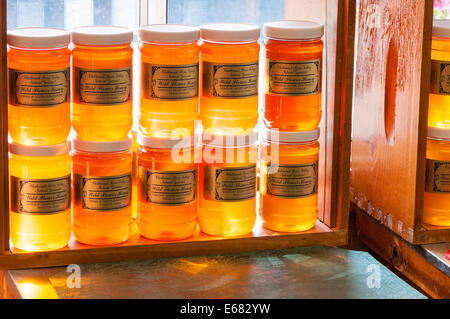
[390,92]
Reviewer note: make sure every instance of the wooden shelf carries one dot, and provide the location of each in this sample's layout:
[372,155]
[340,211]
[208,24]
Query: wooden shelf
[338,18]
[138,247]
[423,265]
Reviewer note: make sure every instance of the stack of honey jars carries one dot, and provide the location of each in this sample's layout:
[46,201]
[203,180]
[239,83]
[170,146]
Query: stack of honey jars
[168,118]
[39,125]
[292,113]
[43,191]
[437,187]
[229,67]
[102,171]
[194,159]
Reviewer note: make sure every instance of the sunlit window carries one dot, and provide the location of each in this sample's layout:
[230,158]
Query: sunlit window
[72,13]
[196,12]
[441,9]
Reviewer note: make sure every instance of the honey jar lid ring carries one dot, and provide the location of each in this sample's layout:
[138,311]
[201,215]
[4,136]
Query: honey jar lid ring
[39,150]
[438,132]
[38,38]
[229,32]
[166,143]
[101,35]
[441,28]
[102,147]
[293,29]
[169,33]
[291,137]
[229,140]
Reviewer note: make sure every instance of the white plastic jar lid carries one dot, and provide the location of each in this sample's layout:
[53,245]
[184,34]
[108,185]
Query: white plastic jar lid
[40,150]
[166,143]
[293,29]
[441,28]
[38,38]
[229,140]
[291,137]
[169,33]
[229,32]
[102,35]
[102,147]
[438,132]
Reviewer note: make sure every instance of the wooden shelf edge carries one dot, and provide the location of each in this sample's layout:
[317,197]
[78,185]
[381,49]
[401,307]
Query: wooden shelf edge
[6,287]
[402,255]
[425,234]
[431,236]
[168,250]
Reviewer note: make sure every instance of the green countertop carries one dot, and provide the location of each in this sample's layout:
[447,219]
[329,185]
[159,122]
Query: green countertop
[307,272]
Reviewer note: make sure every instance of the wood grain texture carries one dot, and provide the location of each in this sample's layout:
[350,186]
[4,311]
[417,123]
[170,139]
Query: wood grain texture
[403,256]
[343,115]
[4,187]
[5,291]
[390,114]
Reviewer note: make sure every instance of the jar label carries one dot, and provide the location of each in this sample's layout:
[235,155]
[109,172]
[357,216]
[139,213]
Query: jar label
[103,87]
[168,188]
[289,181]
[294,78]
[440,77]
[229,184]
[39,88]
[437,178]
[40,196]
[230,80]
[103,193]
[170,82]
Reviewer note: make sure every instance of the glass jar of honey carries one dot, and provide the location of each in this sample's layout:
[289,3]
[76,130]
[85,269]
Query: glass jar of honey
[289,165]
[167,191]
[39,86]
[436,209]
[102,201]
[169,73]
[293,67]
[439,99]
[229,68]
[40,196]
[227,183]
[102,83]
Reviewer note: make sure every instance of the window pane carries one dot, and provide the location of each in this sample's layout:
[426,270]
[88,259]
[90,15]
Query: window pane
[441,9]
[72,13]
[197,12]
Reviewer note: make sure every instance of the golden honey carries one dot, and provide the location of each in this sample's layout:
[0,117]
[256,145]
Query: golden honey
[229,68]
[102,83]
[293,75]
[40,196]
[436,209]
[102,200]
[439,99]
[289,165]
[134,173]
[169,79]
[167,190]
[39,86]
[227,183]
